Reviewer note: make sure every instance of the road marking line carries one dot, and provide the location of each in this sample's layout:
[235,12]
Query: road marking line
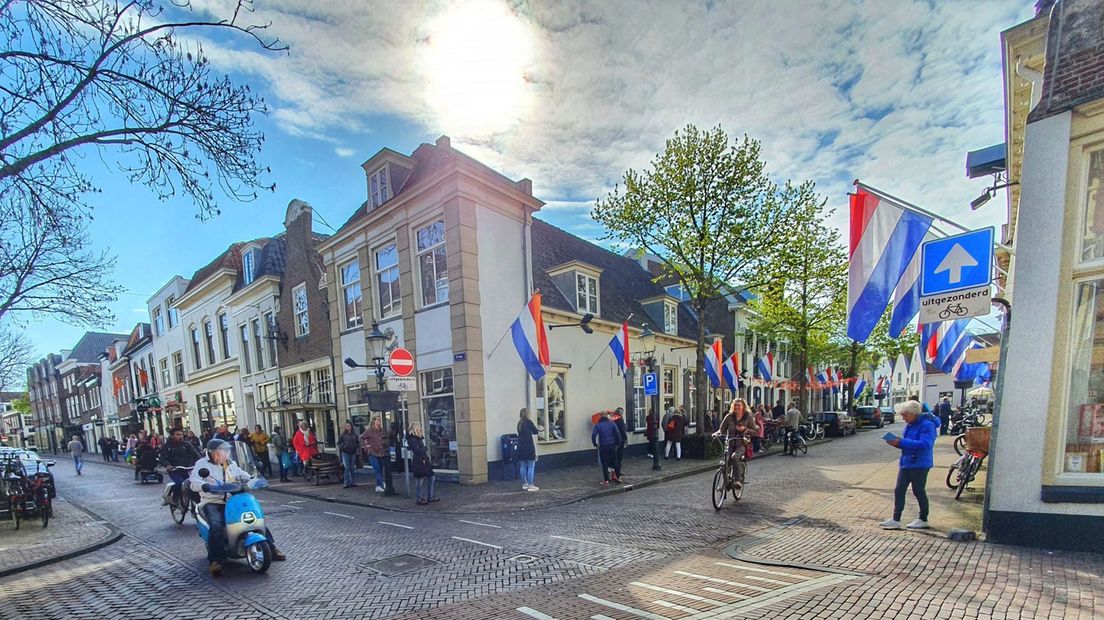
[533,613]
[722,581]
[761,570]
[725,592]
[767,580]
[297,501]
[579,540]
[693,597]
[405,527]
[476,542]
[600,617]
[478,523]
[776,595]
[625,608]
[689,610]
[337,514]
[291,506]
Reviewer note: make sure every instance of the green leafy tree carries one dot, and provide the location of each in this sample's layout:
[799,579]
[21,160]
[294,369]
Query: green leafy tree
[22,404]
[806,305]
[708,210]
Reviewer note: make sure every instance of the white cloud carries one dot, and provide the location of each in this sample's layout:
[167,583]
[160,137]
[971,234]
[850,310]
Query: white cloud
[344,152]
[893,93]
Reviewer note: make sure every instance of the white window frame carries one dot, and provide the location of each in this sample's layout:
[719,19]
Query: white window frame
[249,266]
[258,347]
[432,252]
[174,314]
[158,321]
[323,385]
[301,313]
[587,297]
[178,368]
[351,287]
[548,432]
[379,186]
[269,322]
[224,335]
[197,346]
[247,365]
[670,317]
[395,307]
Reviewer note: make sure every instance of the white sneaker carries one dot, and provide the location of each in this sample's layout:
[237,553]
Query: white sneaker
[533,487]
[917,525]
[379,489]
[890,524]
[524,487]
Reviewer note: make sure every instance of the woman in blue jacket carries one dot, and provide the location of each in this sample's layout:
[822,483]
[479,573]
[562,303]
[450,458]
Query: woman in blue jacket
[916,461]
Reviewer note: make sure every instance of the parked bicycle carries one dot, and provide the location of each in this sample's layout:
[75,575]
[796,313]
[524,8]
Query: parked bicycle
[732,469]
[811,429]
[964,470]
[796,444]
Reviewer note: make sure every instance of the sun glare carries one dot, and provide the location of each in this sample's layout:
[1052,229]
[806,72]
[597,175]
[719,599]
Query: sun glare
[475,59]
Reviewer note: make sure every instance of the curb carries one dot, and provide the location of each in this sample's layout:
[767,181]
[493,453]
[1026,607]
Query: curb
[114,534]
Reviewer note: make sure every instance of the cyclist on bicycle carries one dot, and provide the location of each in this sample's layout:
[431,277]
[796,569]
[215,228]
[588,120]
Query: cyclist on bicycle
[793,421]
[736,425]
[177,453]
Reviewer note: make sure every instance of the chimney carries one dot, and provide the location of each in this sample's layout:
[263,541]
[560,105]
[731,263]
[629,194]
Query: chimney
[526,186]
[444,143]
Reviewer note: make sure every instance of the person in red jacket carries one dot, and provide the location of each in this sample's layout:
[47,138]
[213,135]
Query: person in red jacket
[305,443]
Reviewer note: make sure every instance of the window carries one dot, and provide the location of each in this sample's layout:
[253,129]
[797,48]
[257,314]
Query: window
[306,388]
[166,378]
[268,395]
[586,293]
[350,287]
[679,293]
[224,335]
[432,264]
[178,366]
[323,385]
[379,186]
[257,347]
[439,409]
[174,317]
[270,321]
[302,319]
[158,322]
[196,357]
[244,329]
[153,377]
[386,265]
[249,265]
[551,420]
[640,401]
[217,407]
[291,384]
[209,338]
[668,388]
[670,318]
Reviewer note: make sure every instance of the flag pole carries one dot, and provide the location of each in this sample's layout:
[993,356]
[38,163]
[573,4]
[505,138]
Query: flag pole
[607,347]
[509,328]
[904,204]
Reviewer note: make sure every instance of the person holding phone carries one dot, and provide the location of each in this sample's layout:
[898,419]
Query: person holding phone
[916,445]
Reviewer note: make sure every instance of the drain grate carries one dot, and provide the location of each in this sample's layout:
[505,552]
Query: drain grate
[397,564]
[524,559]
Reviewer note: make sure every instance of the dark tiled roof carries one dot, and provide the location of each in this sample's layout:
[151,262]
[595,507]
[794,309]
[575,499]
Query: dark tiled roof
[92,344]
[622,285]
[139,337]
[272,261]
[230,259]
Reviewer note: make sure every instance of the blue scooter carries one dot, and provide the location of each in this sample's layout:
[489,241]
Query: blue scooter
[245,524]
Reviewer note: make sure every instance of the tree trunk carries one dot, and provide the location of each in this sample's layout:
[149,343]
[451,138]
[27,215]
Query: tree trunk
[701,392]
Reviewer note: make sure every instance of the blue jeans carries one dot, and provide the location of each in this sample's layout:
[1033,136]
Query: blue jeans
[78,462]
[528,468]
[377,469]
[178,477]
[430,481]
[348,459]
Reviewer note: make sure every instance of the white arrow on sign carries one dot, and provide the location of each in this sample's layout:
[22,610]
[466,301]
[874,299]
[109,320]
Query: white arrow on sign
[954,262]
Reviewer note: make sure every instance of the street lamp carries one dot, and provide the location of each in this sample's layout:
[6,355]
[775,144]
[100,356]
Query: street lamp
[377,347]
[647,345]
[583,324]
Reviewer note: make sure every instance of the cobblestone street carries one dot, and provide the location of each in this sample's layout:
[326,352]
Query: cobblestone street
[661,551]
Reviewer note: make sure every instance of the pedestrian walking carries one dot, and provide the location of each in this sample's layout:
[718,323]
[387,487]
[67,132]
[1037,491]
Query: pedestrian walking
[347,445]
[280,451]
[606,438]
[421,466]
[673,432]
[372,443]
[105,450]
[618,419]
[916,445]
[527,450]
[259,440]
[113,448]
[945,416]
[305,443]
[76,450]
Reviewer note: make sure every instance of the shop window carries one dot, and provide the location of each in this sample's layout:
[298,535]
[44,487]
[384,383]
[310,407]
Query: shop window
[350,288]
[432,263]
[1092,229]
[1085,422]
[439,409]
[551,406]
[386,266]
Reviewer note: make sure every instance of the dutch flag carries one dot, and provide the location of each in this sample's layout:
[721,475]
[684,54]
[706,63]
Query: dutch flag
[822,380]
[860,386]
[530,339]
[620,346]
[713,357]
[766,367]
[732,372]
[884,243]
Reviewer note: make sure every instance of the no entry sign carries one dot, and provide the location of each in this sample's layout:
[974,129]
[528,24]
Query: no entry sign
[401,362]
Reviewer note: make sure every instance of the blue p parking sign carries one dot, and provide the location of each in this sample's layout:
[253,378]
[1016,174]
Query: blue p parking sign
[651,384]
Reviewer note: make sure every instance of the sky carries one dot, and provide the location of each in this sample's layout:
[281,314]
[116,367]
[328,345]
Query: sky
[570,95]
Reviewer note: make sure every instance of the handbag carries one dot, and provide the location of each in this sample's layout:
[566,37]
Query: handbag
[671,425]
[285,460]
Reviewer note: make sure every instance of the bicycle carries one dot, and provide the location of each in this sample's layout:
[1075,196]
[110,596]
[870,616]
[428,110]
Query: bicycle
[730,471]
[956,309]
[797,443]
[966,468]
[180,500]
[811,430]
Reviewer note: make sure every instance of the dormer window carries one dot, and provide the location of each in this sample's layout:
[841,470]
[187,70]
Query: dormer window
[379,186]
[586,293]
[670,318]
[679,293]
[249,266]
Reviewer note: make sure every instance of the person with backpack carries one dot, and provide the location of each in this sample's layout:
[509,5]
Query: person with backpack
[673,432]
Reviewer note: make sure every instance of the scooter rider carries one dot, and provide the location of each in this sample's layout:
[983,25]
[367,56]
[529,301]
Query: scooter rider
[177,453]
[220,469]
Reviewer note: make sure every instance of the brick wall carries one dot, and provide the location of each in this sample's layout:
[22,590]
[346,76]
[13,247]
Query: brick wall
[303,266]
[1074,73]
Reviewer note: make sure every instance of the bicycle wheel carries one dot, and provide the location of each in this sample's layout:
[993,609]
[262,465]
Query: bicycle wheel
[720,487]
[741,475]
[15,510]
[951,483]
[982,419]
[801,445]
[44,513]
[178,510]
[964,477]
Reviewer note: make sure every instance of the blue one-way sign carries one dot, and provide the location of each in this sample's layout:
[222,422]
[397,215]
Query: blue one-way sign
[651,384]
[956,263]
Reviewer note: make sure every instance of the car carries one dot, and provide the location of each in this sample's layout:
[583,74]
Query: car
[888,415]
[868,415]
[836,423]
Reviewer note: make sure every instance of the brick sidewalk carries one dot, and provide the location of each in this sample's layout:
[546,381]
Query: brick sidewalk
[71,530]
